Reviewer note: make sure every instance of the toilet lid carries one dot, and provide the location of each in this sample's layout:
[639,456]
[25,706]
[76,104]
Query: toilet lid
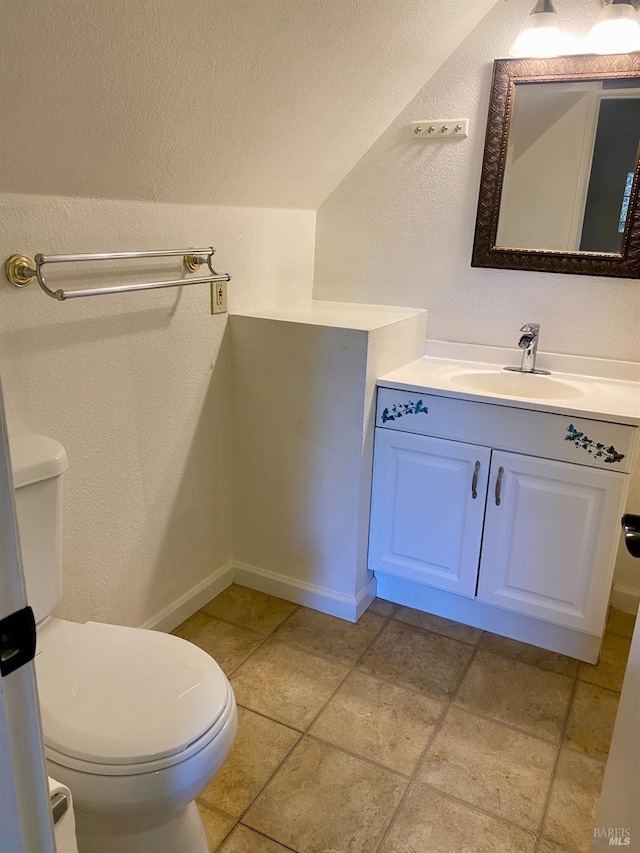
[116,695]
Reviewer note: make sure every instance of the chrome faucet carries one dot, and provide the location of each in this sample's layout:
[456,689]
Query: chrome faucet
[528,343]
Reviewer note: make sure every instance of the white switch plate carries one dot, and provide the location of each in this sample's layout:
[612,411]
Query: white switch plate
[218,297]
[439,129]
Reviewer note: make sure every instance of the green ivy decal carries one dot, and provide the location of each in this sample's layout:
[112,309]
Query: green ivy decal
[596,449]
[398,410]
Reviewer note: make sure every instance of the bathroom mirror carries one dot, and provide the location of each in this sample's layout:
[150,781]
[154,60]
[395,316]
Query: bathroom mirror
[559,182]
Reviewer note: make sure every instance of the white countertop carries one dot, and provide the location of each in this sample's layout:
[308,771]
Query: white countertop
[345,315]
[598,397]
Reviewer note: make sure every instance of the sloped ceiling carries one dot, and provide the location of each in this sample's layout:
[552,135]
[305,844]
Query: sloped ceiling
[241,102]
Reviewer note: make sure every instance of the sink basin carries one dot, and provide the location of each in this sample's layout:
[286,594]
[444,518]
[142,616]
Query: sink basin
[531,385]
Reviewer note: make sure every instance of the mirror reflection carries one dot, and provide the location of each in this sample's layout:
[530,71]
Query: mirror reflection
[571,154]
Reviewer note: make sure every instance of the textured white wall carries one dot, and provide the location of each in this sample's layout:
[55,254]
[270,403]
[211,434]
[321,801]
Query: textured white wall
[242,102]
[136,387]
[399,229]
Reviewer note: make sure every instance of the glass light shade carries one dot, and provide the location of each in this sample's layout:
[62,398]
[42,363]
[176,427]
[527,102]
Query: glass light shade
[540,36]
[616,30]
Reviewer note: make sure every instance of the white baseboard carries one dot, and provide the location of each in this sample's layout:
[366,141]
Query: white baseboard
[470,611]
[317,597]
[625,598]
[175,613]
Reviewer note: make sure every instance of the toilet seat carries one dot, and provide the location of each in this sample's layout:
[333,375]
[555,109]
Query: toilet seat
[98,769]
[119,701]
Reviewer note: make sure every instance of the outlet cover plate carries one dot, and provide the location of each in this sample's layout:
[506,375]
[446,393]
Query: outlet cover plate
[218,297]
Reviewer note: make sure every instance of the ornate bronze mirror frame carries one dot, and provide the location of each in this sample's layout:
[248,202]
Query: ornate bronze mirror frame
[488,251]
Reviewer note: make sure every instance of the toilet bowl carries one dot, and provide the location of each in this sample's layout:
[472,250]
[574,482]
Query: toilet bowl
[135,722]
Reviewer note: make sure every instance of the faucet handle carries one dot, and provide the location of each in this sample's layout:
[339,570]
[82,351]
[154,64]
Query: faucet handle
[531,328]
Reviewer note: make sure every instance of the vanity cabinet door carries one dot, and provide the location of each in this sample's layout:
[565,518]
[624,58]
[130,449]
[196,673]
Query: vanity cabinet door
[426,524]
[550,539]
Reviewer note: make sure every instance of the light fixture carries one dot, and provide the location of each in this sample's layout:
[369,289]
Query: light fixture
[541,34]
[616,30]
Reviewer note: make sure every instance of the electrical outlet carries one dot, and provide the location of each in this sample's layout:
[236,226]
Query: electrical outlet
[218,297]
[439,129]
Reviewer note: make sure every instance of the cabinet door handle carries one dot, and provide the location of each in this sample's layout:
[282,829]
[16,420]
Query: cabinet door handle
[499,484]
[474,482]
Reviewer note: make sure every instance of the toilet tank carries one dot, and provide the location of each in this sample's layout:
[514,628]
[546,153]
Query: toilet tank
[38,463]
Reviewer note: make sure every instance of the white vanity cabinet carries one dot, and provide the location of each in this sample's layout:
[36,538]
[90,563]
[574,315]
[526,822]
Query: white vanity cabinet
[517,510]
[550,538]
[426,524]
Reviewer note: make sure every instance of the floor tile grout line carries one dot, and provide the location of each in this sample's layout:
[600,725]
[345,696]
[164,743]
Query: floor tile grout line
[389,680]
[535,833]
[305,731]
[554,771]
[320,655]
[205,805]
[351,669]
[447,706]
[242,662]
[224,841]
[271,719]
[365,758]
[430,741]
[262,788]
[228,675]
[270,636]
[510,726]
[479,809]
[439,633]
[478,645]
[557,744]
[601,759]
[234,823]
[496,654]
[616,634]
[228,621]
[388,619]
[526,663]
[600,686]
[437,728]
[594,684]
[300,735]
[609,630]
[454,695]
[269,837]
[236,625]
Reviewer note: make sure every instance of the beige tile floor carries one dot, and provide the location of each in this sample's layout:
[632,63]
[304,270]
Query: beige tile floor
[404,733]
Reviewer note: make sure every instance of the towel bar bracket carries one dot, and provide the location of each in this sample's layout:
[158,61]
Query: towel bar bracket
[19,270]
[192,263]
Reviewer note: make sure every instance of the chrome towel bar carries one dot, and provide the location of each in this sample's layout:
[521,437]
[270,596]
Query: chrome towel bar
[21,271]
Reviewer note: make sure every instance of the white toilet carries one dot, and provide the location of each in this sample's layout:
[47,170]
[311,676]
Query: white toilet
[135,722]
